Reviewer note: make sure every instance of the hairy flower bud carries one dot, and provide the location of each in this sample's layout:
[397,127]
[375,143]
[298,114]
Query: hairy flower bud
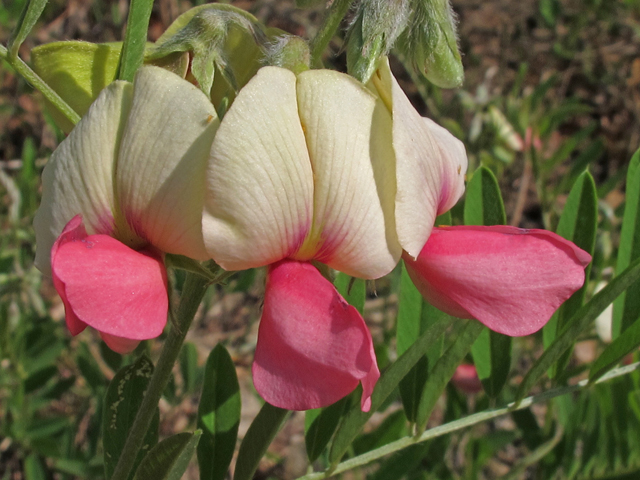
[431,44]
[375,28]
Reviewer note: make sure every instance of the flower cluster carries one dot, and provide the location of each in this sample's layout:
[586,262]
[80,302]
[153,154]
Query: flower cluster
[303,169]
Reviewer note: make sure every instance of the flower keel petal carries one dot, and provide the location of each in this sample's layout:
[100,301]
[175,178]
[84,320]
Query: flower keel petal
[313,348]
[510,279]
[105,284]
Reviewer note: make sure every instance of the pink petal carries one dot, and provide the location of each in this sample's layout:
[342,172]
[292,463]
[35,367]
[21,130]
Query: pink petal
[107,285]
[466,379]
[313,347]
[119,344]
[510,279]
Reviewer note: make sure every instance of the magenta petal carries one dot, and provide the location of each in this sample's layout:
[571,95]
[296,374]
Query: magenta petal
[107,285]
[313,347]
[510,279]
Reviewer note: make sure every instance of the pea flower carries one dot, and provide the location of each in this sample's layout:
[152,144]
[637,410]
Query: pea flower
[125,187]
[319,168]
[314,168]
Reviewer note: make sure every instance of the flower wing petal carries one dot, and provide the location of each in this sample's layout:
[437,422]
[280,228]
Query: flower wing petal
[430,165]
[348,134]
[162,162]
[510,279]
[109,286]
[313,348]
[78,178]
[259,201]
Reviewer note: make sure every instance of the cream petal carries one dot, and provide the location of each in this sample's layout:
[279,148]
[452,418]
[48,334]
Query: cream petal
[430,165]
[259,199]
[162,162]
[348,133]
[78,178]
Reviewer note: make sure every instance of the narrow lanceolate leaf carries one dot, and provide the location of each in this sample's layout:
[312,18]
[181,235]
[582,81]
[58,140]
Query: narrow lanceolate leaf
[188,367]
[28,18]
[414,318]
[444,369]
[322,423]
[492,350]
[218,415]
[257,440]
[577,324]
[626,309]
[616,351]
[135,38]
[169,459]
[122,401]
[353,290]
[354,420]
[578,223]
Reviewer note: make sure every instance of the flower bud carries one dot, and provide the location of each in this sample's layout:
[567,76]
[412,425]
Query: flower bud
[431,44]
[375,28]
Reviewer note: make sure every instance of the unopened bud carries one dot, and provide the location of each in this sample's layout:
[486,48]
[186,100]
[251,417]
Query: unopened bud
[375,28]
[290,52]
[431,43]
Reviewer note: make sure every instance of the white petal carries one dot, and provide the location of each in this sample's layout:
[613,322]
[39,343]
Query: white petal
[348,134]
[430,165]
[78,179]
[260,185]
[162,162]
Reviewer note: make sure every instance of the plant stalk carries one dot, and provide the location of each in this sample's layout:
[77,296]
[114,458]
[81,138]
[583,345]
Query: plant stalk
[337,11]
[194,289]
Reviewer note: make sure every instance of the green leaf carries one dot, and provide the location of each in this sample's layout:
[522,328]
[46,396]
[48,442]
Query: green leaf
[491,351]
[444,369]
[135,39]
[616,351]
[414,318]
[34,468]
[354,420]
[483,202]
[258,438]
[28,18]
[322,424]
[578,224]
[577,324]
[169,459]
[353,290]
[123,398]
[218,415]
[627,308]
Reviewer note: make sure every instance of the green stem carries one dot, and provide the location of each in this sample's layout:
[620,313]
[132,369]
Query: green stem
[338,10]
[194,288]
[32,77]
[466,422]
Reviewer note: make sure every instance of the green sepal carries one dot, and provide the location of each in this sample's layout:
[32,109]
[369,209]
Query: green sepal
[218,38]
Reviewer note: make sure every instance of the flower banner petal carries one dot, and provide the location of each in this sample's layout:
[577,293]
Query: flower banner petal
[162,162]
[510,279]
[348,134]
[78,178]
[313,348]
[259,202]
[430,165]
[109,286]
